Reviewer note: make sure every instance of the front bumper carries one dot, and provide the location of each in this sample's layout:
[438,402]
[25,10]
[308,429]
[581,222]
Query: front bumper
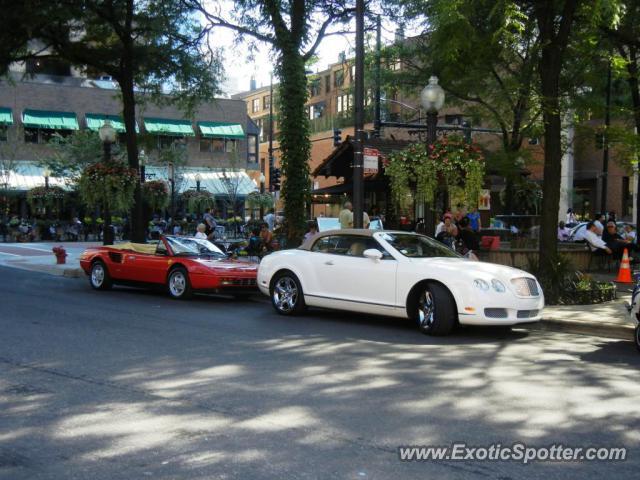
[507,311]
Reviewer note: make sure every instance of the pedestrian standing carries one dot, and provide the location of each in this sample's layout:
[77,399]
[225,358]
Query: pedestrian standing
[270,219]
[474,219]
[346,216]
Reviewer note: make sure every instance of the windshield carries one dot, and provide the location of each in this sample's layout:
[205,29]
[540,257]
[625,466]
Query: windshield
[417,246]
[186,246]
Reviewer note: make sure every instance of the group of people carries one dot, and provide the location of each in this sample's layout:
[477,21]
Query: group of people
[602,235]
[459,231]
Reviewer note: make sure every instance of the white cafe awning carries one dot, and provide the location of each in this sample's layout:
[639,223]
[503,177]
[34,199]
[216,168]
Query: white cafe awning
[25,175]
[217,181]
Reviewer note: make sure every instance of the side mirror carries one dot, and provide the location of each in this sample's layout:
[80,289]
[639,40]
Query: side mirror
[373,254]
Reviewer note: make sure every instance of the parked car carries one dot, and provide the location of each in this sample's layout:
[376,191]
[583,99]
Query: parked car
[399,274]
[182,265]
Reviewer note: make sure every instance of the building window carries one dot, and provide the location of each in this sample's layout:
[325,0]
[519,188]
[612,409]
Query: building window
[42,136]
[453,119]
[327,83]
[314,87]
[344,102]
[230,145]
[205,145]
[255,105]
[217,145]
[3,133]
[353,73]
[266,102]
[252,148]
[338,78]
[316,110]
[166,142]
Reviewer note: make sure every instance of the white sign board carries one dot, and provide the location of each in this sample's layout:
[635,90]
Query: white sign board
[370,160]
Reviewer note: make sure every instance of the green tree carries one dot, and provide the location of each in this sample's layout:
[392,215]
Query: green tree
[153,46]
[293,29]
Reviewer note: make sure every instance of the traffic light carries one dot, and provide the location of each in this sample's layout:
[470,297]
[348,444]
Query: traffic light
[275,180]
[337,137]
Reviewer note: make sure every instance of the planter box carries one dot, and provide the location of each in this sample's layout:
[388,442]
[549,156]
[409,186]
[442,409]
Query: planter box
[606,293]
[519,257]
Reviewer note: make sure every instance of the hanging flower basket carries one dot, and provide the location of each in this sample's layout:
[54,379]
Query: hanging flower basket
[108,184]
[450,162]
[198,200]
[45,197]
[156,194]
[259,200]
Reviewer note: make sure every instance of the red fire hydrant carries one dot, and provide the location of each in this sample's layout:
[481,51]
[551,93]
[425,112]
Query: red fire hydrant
[61,254]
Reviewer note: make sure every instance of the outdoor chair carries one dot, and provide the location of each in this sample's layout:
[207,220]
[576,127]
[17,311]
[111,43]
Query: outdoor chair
[600,259]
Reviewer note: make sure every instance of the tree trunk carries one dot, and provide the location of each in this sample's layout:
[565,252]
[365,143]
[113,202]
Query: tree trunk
[632,69]
[294,142]
[554,41]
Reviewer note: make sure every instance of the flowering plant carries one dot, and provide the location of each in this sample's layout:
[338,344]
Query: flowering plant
[259,200]
[156,194]
[41,197]
[108,184]
[450,161]
[196,200]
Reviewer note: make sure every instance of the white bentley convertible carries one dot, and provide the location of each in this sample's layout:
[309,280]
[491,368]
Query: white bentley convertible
[398,274]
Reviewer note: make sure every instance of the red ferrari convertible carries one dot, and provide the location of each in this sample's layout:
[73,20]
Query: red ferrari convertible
[183,265]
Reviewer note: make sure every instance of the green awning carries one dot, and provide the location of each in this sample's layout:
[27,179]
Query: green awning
[164,126]
[221,129]
[96,120]
[50,120]
[6,117]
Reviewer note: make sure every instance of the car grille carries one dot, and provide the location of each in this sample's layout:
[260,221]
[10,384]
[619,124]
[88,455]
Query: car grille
[528,313]
[496,312]
[525,287]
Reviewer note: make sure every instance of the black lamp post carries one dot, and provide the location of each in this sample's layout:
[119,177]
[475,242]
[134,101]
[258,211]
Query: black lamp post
[108,136]
[263,179]
[47,173]
[142,159]
[172,182]
[432,99]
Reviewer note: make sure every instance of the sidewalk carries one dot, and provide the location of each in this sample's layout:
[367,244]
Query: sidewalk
[605,319]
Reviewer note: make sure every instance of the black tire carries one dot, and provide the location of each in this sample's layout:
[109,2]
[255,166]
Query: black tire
[99,277]
[433,309]
[286,294]
[637,335]
[178,284]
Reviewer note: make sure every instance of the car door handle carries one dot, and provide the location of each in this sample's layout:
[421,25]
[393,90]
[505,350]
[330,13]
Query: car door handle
[329,262]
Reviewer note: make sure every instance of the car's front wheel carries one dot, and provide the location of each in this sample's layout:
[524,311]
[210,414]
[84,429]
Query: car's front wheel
[178,284]
[99,277]
[434,309]
[286,294]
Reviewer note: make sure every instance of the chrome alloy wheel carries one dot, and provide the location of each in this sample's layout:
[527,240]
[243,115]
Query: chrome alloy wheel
[97,275]
[285,294]
[177,283]
[426,310]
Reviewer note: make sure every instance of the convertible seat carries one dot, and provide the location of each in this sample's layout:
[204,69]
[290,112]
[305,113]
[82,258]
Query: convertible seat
[147,248]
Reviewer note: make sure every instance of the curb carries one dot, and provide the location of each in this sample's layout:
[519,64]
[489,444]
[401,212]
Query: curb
[603,329]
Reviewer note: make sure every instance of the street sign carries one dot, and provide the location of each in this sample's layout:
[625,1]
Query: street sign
[370,160]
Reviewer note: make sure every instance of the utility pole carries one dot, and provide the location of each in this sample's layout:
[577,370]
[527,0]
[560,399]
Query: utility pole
[376,121]
[605,146]
[358,160]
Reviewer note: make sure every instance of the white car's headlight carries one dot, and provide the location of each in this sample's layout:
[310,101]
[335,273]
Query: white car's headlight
[498,286]
[481,284]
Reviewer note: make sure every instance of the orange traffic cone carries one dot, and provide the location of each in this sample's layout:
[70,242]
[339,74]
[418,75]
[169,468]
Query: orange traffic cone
[624,274]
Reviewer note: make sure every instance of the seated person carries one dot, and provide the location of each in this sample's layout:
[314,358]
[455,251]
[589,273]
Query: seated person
[255,247]
[563,232]
[467,236]
[629,233]
[614,240]
[448,236]
[267,237]
[597,244]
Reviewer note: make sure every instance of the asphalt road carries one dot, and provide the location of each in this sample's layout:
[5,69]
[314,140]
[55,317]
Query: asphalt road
[129,384]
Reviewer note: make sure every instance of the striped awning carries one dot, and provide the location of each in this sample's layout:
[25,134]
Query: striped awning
[165,126]
[24,175]
[6,116]
[218,182]
[96,120]
[221,130]
[50,120]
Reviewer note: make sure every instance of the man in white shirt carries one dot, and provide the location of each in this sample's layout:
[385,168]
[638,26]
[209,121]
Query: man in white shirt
[270,219]
[598,223]
[594,240]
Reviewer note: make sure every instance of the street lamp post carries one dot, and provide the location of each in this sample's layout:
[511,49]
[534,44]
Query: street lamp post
[142,160]
[172,182]
[198,180]
[432,99]
[47,173]
[108,136]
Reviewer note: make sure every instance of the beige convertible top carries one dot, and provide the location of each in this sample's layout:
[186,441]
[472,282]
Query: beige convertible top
[363,232]
[148,248]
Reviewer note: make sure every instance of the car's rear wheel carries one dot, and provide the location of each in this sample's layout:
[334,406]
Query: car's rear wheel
[638,337]
[178,284]
[433,309]
[286,294]
[99,277]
